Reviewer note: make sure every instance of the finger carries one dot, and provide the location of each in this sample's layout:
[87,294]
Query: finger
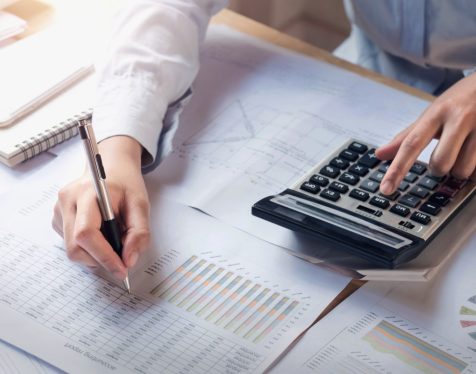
[67,212]
[446,152]
[88,236]
[465,164]
[137,238]
[57,221]
[389,150]
[411,146]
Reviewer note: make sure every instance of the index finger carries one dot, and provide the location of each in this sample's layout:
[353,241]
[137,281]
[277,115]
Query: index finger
[412,145]
[89,237]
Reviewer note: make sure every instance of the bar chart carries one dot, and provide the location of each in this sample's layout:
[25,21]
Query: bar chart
[238,303]
[382,342]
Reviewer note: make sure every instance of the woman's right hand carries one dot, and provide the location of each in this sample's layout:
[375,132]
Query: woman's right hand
[77,217]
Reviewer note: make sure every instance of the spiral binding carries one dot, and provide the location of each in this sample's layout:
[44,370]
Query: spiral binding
[49,138]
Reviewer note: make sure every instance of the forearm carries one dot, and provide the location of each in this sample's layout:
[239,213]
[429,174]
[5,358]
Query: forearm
[151,60]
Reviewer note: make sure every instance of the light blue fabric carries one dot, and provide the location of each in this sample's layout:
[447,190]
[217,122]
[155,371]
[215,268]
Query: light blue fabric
[425,43]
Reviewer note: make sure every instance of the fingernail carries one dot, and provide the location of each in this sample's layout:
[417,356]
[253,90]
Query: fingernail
[133,259]
[386,187]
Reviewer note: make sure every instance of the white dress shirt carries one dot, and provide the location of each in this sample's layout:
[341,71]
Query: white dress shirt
[153,56]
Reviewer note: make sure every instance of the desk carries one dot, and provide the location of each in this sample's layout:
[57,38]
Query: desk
[41,14]
[99,14]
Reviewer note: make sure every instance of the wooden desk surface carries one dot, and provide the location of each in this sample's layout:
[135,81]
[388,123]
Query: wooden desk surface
[98,13]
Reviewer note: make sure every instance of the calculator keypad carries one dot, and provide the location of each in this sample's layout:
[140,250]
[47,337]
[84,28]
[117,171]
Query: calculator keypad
[350,178]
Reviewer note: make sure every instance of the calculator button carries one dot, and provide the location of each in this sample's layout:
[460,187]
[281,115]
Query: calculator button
[349,155]
[419,191]
[360,170]
[448,191]
[418,168]
[420,217]
[428,183]
[409,200]
[400,210]
[369,185]
[330,171]
[380,202]
[319,180]
[384,167]
[392,196]
[349,178]
[430,208]
[407,224]
[358,147]
[359,195]
[439,198]
[411,177]
[457,184]
[330,195]
[403,186]
[377,176]
[310,187]
[436,178]
[369,159]
[340,163]
[339,187]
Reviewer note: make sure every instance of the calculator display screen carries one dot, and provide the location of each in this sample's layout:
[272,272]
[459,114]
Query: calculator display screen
[342,220]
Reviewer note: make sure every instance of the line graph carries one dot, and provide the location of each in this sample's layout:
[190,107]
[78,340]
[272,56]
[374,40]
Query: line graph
[266,144]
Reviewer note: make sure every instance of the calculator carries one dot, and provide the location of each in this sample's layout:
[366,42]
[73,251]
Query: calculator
[338,202]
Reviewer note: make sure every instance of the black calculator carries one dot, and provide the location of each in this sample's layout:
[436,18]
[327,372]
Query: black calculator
[338,201]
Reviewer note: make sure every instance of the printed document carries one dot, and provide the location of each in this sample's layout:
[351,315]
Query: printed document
[425,328]
[206,298]
[270,117]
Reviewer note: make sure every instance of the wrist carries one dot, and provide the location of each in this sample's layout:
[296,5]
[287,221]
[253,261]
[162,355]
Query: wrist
[121,149]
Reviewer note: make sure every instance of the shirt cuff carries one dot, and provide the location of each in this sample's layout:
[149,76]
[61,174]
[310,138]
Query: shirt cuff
[470,71]
[130,106]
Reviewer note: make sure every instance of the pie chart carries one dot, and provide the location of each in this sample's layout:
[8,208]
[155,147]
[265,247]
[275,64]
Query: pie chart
[468,319]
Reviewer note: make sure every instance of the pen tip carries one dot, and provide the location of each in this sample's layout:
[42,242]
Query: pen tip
[127,285]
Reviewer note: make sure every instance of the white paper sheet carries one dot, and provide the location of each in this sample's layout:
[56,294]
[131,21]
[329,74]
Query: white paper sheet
[207,298]
[14,361]
[398,329]
[260,117]
[10,26]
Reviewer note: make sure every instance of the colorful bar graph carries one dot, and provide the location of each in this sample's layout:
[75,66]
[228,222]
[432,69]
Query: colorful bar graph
[196,280]
[173,276]
[256,313]
[225,303]
[188,274]
[277,321]
[200,288]
[224,298]
[221,295]
[210,292]
[263,319]
[243,300]
[390,339]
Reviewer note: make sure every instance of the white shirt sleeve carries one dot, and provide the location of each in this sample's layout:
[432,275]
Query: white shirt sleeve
[150,62]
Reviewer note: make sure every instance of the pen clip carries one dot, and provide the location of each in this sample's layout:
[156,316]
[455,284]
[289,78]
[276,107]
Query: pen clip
[87,134]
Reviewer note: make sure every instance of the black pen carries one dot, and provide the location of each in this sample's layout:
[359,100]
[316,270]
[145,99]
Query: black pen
[109,228]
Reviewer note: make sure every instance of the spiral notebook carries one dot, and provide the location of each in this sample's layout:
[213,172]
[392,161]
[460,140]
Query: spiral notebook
[49,125]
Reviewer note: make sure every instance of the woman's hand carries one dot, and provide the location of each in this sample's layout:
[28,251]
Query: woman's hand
[452,119]
[77,217]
